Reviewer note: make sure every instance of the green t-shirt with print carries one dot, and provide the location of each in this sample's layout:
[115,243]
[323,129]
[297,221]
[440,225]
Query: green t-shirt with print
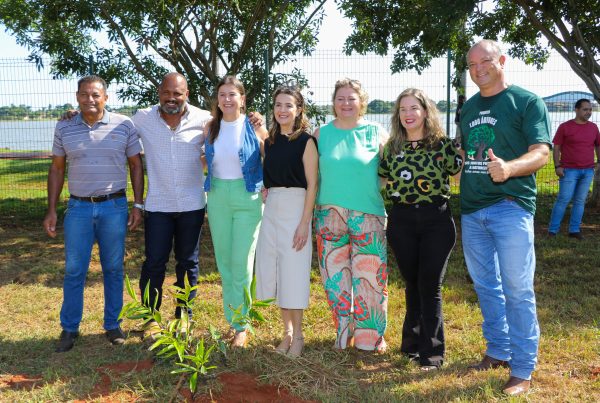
[508,122]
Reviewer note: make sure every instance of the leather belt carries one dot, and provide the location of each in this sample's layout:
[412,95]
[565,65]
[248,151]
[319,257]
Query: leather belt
[102,198]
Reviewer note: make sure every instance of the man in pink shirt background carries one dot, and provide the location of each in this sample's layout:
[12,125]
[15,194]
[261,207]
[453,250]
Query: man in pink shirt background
[574,145]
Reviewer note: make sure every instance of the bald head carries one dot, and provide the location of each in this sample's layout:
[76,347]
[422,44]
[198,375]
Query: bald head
[491,47]
[173,94]
[173,77]
[486,67]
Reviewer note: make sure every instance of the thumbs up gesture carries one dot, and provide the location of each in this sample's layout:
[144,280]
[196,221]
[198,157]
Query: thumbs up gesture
[498,169]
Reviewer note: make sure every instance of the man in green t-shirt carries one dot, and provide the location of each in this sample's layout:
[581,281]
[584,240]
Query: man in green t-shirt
[506,138]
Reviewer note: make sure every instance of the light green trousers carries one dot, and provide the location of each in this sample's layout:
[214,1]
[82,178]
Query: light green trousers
[234,216]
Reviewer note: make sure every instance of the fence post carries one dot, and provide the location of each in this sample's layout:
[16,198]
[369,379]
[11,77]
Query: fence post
[448,93]
[266,89]
[90,65]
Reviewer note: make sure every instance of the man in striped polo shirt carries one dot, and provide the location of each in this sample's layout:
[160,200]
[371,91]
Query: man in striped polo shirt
[97,145]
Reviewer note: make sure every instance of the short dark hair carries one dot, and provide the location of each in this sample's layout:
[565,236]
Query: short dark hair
[91,79]
[580,101]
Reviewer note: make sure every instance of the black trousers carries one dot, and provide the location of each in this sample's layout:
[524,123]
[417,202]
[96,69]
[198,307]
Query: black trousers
[422,238]
[163,232]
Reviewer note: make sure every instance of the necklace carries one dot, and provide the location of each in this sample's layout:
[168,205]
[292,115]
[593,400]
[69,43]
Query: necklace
[415,143]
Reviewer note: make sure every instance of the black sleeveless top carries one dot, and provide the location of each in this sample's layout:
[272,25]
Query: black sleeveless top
[283,166]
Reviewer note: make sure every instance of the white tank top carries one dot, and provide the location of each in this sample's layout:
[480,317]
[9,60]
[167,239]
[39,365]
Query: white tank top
[226,162]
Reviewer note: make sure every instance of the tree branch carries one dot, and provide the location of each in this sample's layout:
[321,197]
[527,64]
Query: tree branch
[258,14]
[136,62]
[298,31]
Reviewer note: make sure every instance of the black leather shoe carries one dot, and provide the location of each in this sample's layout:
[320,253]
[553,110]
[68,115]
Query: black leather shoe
[488,363]
[576,235]
[66,341]
[116,336]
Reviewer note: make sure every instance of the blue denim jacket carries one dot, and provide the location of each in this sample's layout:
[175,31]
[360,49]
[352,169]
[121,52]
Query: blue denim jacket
[249,159]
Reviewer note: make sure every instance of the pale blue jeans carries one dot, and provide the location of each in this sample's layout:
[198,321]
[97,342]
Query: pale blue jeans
[499,252]
[574,185]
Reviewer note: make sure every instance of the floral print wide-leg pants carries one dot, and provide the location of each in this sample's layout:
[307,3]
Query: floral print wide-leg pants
[352,253]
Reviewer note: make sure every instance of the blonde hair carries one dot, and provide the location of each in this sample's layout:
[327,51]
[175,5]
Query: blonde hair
[433,132]
[357,87]
[301,123]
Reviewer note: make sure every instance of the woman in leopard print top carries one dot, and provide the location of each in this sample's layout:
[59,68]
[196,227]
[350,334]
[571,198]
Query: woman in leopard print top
[417,163]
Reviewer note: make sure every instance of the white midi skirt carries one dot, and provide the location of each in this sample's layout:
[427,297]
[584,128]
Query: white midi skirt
[282,272]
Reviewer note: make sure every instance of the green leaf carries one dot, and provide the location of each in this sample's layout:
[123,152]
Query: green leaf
[167,351]
[182,371]
[130,289]
[146,297]
[247,298]
[257,316]
[188,368]
[253,288]
[193,382]
[159,342]
[263,303]
[180,349]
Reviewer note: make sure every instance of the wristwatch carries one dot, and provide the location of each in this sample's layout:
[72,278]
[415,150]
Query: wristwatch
[138,206]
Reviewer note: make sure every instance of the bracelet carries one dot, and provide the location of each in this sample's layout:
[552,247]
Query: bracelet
[138,206]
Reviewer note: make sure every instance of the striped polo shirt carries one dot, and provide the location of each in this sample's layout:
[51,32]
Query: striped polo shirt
[175,172]
[96,155]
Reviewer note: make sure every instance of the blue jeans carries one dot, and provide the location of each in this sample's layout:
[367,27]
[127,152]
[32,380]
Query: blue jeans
[163,230]
[500,256]
[574,185]
[85,223]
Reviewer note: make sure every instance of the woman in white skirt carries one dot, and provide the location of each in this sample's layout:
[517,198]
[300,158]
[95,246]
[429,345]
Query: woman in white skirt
[284,249]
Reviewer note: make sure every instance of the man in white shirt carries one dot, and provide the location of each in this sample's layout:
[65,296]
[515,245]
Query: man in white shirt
[172,133]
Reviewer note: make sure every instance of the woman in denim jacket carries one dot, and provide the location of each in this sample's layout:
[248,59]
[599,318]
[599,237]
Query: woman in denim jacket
[233,187]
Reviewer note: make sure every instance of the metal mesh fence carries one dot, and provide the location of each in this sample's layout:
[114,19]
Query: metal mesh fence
[31,101]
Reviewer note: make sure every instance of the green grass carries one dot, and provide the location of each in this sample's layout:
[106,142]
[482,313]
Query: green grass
[31,271]
[23,191]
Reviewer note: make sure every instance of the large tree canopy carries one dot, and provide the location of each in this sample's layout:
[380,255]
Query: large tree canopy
[419,30]
[204,40]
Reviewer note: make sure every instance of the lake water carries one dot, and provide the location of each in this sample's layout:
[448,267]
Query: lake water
[38,135]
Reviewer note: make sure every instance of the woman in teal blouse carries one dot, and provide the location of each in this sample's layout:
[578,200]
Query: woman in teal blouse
[350,221]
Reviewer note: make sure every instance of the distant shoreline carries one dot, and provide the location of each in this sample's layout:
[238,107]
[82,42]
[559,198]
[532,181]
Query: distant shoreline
[26,155]
[28,120]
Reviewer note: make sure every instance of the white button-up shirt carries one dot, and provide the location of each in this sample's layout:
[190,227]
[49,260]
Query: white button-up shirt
[175,173]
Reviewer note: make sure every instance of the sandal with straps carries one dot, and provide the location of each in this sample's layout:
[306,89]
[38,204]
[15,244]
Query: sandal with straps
[285,344]
[296,347]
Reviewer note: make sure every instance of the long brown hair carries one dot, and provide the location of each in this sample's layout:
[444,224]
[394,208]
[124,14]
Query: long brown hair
[301,123]
[215,124]
[433,129]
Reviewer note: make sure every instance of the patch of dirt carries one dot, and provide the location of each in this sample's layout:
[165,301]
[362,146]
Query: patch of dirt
[102,388]
[239,387]
[20,382]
